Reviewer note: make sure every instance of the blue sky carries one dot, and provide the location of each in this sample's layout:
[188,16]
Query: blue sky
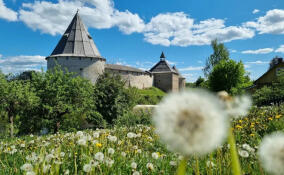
[135,32]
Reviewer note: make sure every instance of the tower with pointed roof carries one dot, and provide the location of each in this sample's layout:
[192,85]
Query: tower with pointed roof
[166,77]
[77,51]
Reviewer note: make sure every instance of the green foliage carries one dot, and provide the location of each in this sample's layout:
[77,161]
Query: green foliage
[150,96]
[132,118]
[112,98]
[220,53]
[267,93]
[16,98]
[61,94]
[227,75]
[199,81]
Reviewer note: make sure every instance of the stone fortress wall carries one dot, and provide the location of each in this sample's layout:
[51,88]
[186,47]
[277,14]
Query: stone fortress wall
[89,68]
[134,79]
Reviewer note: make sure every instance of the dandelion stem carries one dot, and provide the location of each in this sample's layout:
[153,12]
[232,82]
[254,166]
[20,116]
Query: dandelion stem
[182,167]
[234,156]
[197,165]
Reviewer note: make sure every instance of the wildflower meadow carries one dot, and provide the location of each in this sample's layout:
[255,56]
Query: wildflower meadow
[139,149]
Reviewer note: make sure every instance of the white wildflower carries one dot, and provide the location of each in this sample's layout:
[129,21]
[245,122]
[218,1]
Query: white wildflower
[62,154]
[109,162]
[191,122]
[99,156]
[243,153]
[112,138]
[139,151]
[173,163]
[46,168]
[27,167]
[271,153]
[155,155]
[210,164]
[111,151]
[150,166]
[131,135]
[94,163]
[87,168]
[22,145]
[136,173]
[66,172]
[236,106]
[96,135]
[79,134]
[30,173]
[133,165]
[49,157]
[123,154]
[82,141]
[248,148]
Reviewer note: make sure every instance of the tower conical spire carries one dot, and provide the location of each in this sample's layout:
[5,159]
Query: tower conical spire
[76,41]
[162,57]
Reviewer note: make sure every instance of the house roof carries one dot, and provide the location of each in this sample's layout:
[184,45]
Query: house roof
[162,66]
[76,41]
[123,68]
[269,70]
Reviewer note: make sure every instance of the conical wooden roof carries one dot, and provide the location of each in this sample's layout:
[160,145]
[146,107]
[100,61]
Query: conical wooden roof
[76,41]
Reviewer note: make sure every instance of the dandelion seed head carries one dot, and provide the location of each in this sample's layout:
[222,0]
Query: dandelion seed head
[191,122]
[99,156]
[27,167]
[271,153]
[243,153]
[133,165]
[87,168]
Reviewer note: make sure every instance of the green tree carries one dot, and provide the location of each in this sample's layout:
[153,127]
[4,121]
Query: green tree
[112,98]
[199,81]
[220,53]
[16,97]
[62,96]
[227,75]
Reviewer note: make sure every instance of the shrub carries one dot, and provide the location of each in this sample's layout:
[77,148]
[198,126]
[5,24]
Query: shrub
[112,98]
[134,118]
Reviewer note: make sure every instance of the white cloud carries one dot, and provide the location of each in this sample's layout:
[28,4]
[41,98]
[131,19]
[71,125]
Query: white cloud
[271,23]
[257,62]
[232,50]
[6,13]
[258,51]
[280,49]
[16,64]
[191,68]
[179,29]
[53,18]
[255,11]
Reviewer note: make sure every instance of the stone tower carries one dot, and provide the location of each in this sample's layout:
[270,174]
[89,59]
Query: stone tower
[166,77]
[77,52]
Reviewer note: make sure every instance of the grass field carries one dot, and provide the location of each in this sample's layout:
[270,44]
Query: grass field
[135,150]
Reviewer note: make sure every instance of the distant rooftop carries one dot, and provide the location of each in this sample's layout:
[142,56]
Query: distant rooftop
[123,68]
[76,41]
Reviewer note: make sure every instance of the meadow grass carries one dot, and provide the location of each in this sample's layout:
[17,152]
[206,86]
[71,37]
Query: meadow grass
[76,153]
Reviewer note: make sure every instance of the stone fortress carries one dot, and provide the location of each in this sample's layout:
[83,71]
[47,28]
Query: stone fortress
[77,52]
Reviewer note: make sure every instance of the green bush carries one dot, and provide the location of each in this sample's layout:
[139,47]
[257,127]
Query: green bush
[134,118]
[150,96]
[112,99]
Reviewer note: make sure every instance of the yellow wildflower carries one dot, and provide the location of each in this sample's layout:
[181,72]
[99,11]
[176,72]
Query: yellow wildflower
[239,127]
[99,145]
[252,134]
[277,116]
[270,118]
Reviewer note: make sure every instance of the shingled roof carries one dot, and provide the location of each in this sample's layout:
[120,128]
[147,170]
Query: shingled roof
[162,65]
[76,41]
[123,68]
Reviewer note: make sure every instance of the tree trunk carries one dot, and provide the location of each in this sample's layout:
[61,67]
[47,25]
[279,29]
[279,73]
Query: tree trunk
[57,126]
[11,118]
